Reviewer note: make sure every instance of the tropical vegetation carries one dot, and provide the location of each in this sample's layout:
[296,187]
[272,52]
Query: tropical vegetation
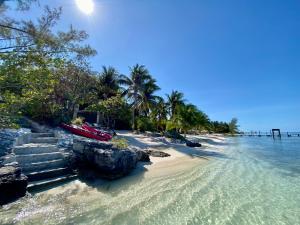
[45,75]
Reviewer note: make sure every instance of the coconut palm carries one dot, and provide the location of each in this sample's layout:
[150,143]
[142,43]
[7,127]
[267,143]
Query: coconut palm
[174,100]
[138,88]
[149,100]
[109,82]
[159,113]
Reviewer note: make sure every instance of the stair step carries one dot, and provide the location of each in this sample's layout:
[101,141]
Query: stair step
[37,135]
[48,140]
[30,158]
[48,182]
[39,166]
[46,174]
[34,148]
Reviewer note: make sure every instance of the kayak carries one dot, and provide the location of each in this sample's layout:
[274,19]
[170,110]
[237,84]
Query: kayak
[85,133]
[94,130]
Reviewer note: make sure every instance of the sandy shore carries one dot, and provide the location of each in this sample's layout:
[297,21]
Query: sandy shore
[182,157]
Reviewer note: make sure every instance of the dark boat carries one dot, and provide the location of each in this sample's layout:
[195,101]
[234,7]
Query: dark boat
[85,133]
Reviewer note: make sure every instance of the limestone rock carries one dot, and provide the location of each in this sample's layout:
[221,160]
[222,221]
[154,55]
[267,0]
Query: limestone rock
[110,162]
[193,144]
[12,183]
[154,153]
[142,156]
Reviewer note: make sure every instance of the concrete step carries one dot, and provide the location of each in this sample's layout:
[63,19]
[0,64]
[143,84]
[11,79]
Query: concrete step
[37,135]
[36,185]
[30,158]
[34,148]
[48,173]
[48,140]
[45,165]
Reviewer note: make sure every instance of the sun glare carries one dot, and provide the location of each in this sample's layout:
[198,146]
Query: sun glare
[86,6]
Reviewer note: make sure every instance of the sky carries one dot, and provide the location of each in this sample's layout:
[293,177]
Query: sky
[234,58]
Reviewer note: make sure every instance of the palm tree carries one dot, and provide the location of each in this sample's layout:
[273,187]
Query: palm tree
[149,100]
[107,85]
[108,82]
[174,100]
[159,113]
[140,89]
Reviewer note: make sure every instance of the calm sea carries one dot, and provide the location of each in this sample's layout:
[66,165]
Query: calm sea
[255,181]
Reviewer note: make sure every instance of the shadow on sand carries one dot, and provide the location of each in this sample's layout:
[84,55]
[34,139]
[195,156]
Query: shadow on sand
[160,143]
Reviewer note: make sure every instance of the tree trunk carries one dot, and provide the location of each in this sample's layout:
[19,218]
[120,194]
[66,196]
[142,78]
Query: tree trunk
[133,118]
[76,109]
[133,111]
[98,118]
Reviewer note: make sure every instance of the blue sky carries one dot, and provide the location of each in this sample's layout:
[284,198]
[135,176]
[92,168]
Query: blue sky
[232,58]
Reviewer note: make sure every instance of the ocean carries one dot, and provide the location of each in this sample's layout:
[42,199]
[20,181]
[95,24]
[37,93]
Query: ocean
[254,181]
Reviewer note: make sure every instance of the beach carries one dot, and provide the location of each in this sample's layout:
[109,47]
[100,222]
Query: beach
[181,156]
[77,194]
[237,181]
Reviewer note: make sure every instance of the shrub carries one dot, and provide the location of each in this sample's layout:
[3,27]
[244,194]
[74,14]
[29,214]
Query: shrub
[78,121]
[145,124]
[120,143]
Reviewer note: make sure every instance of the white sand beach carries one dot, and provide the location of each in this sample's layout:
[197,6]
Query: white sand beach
[182,157]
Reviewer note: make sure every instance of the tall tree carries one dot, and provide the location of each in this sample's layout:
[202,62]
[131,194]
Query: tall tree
[174,100]
[149,99]
[108,82]
[159,114]
[37,36]
[31,53]
[233,126]
[139,84]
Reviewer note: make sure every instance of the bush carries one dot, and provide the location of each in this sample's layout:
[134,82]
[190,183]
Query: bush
[120,143]
[78,121]
[174,135]
[170,125]
[145,124]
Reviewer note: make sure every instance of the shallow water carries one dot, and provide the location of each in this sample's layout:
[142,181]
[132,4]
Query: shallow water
[256,181]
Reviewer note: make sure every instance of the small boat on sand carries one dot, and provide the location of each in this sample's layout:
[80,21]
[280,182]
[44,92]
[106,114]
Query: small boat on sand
[88,132]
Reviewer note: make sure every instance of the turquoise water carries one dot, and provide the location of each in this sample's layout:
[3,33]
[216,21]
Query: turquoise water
[254,181]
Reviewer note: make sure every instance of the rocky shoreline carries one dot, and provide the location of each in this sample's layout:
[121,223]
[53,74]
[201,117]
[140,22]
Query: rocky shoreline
[86,157]
[107,160]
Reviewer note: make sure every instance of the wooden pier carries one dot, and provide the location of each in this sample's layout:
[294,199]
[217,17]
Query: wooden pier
[274,133]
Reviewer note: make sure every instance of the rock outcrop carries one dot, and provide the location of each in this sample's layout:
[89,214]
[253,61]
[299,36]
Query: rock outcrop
[154,153]
[142,155]
[109,161]
[8,138]
[12,183]
[192,144]
[173,134]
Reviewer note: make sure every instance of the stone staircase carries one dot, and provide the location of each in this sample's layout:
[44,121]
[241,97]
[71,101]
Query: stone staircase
[42,161]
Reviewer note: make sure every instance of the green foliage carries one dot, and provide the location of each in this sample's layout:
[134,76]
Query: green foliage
[41,70]
[174,100]
[220,127]
[112,109]
[120,143]
[37,36]
[233,126]
[159,114]
[140,89]
[187,117]
[44,75]
[145,124]
[108,83]
[78,121]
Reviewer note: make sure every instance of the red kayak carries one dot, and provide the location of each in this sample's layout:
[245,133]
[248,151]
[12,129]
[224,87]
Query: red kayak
[84,133]
[94,130]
